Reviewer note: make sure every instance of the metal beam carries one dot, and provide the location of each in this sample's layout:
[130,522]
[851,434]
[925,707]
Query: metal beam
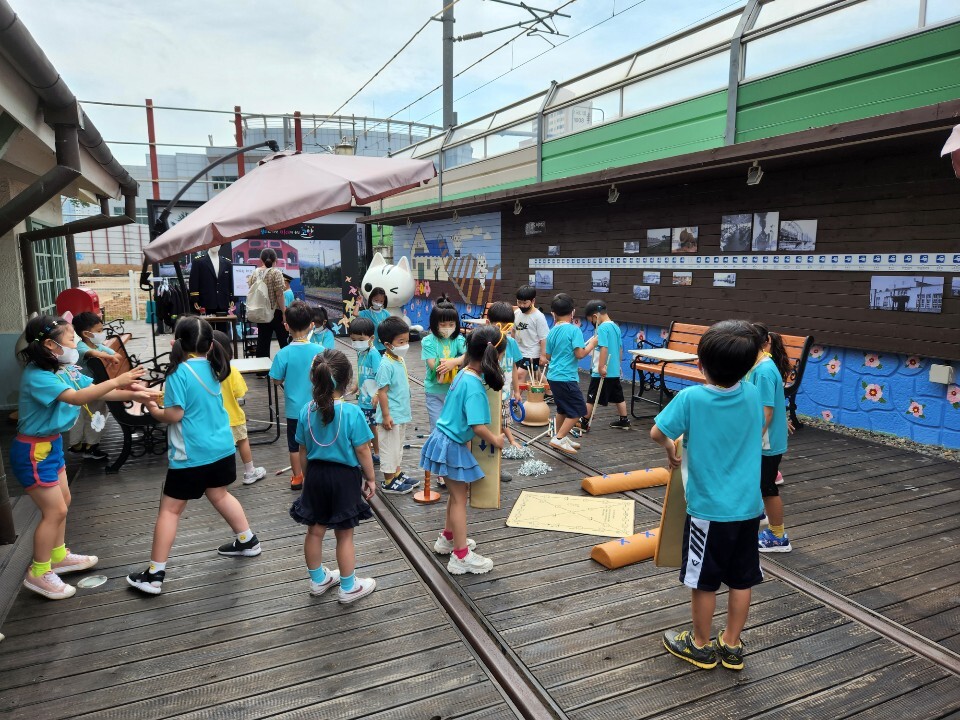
[747,20]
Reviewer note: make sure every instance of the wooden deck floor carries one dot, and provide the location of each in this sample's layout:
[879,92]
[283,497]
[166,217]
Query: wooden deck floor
[240,638]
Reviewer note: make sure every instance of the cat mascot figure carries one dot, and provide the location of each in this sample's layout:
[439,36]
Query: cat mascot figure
[398,282]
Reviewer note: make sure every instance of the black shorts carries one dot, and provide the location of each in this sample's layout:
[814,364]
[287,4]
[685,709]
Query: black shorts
[292,444]
[769,467]
[190,483]
[720,552]
[612,391]
[568,399]
[528,363]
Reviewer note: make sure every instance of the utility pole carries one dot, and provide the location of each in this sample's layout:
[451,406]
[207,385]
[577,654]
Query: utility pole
[449,116]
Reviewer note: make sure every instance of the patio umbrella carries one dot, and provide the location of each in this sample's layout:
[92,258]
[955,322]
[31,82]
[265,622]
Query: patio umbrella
[288,188]
[953,148]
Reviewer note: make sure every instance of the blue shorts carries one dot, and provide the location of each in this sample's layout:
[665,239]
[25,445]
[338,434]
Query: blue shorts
[292,444]
[568,399]
[37,461]
[370,415]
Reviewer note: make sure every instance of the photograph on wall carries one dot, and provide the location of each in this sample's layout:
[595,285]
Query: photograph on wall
[641,292]
[684,239]
[765,231]
[683,278]
[955,287]
[600,281]
[725,280]
[797,236]
[735,232]
[651,277]
[906,293]
[543,280]
[553,251]
[535,228]
[631,247]
[658,241]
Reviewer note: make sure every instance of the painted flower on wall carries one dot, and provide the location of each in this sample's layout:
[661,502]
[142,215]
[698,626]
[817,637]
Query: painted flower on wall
[664,332]
[915,409]
[833,367]
[826,415]
[913,363]
[872,360]
[816,352]
[872,392]
[953,396]
[641,336]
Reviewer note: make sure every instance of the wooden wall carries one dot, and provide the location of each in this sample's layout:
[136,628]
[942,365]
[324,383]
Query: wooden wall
[898,198]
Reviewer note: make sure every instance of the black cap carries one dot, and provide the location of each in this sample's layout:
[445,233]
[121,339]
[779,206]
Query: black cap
[288,278]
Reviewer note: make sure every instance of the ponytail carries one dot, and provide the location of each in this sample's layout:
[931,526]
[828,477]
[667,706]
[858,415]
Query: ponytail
[329,372]
[490,365]
[779,355]
[219,361]
[194,335]
[485,344]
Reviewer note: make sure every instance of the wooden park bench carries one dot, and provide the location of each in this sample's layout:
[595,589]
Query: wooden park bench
[684,338]
[142,435]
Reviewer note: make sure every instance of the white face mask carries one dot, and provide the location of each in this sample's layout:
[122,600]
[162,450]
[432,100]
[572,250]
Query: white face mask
[376,305]
[69,355]
[360,345]
[98,338]
[447,331]
[399,350]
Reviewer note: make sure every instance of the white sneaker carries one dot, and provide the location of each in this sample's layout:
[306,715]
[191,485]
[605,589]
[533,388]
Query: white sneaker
[471,563]
[563,445]
[361,588]
[573,443]
[49,585]
[332,578]
[444,547]
[258,474]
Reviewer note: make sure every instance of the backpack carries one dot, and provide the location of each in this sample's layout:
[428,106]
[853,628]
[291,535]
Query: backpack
[259,309]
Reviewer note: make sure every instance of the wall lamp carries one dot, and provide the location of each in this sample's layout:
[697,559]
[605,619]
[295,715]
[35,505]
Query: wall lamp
[754,173]
[517,208]
[456,216]
[613,194]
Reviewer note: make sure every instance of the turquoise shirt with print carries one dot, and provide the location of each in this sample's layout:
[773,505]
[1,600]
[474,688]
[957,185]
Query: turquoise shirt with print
[334,442]
[287,297]
[466,406]
[434,348]
[377,317]
[562,340]
[721,449]
[609,337]
[292,366]
[368,363]
[203,436]
[393,376]
[769,383]
[324,338]
[40,413]
[83,349]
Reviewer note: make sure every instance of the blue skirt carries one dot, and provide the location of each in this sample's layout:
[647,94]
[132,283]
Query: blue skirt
[448,458]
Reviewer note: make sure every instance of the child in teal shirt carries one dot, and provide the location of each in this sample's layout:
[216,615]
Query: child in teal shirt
[393,408]
[442,350]
[564,348]
[605,366]
[368,363]
[84,437]
[376,313]
[322,335]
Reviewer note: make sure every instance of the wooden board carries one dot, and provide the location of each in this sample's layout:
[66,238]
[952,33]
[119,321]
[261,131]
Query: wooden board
[669,552]
[572,513]
[485,493]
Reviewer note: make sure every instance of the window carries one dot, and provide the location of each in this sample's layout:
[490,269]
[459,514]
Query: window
[222,182]
[686,81]
[585,114]
[50,262]
[512,138]
[461,154]
[940,10]
[853,26]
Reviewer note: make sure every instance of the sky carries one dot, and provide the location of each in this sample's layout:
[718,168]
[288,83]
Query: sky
[312,56]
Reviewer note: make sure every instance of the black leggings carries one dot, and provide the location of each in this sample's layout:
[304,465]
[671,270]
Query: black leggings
[266,331]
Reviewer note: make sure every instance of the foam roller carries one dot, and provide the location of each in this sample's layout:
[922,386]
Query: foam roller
[626,551]
[630,480]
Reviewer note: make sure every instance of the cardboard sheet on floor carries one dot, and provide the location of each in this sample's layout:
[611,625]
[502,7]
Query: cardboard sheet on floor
[573,513]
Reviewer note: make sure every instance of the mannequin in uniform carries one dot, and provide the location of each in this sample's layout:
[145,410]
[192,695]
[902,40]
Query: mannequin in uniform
[211,283]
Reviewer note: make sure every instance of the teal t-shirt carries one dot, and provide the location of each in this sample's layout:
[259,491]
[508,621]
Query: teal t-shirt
[324,338]
[203,436]
[511,356]
[334,442]
[769,383]
[83,348]
[434,348]
[368,363]
[562,340]
[466,405]
[292,366]
[393,375]
[377,316]
[287,297]
[608,336]
[40,413]
[721,449]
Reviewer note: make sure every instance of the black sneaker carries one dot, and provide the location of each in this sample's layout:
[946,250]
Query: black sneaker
[78,449]
[548,399]
[584,425]
[621,424]
[681,644]
[146,581]
[251,548]
[730,657]
[93,452]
